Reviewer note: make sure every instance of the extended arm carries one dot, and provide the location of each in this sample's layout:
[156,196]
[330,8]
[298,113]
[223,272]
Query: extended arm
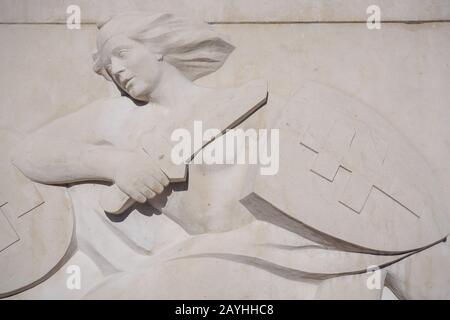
[76,148]
[58,160]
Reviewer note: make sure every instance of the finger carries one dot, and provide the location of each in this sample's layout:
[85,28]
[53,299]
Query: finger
[154,184]
[159,175]
[149,194]
[133,193]
[137,196]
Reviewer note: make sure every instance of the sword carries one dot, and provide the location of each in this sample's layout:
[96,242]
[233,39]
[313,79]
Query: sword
[222,115]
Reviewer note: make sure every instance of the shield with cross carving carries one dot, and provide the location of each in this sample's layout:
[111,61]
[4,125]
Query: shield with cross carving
[348,179]
[36,225]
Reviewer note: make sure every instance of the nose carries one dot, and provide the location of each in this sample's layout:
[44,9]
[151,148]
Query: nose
[116,66]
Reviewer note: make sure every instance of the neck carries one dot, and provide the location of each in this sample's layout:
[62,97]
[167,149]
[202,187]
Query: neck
[174,90]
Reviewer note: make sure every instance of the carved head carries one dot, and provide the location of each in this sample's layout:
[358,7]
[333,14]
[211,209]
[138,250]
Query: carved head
[132,48]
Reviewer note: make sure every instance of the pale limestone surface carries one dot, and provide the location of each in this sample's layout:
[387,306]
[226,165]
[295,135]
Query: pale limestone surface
[125,256]
[233,10]
[37,225]
[340,287]
[340,156]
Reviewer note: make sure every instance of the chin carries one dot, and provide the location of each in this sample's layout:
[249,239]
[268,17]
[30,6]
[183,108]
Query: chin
[136,94]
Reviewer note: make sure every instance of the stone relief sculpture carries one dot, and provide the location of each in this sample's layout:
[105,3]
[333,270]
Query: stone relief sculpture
[351,193]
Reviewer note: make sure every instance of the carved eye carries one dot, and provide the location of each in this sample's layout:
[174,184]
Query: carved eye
[122,53]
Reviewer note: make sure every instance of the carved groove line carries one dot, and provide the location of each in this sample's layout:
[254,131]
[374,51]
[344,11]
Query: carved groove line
[350,171]
[386,194]
[297,274]
[11,227]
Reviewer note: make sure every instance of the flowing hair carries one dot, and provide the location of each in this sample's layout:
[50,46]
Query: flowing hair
[193,48]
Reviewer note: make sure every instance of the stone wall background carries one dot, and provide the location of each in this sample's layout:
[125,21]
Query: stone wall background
[402,70]
[220,11]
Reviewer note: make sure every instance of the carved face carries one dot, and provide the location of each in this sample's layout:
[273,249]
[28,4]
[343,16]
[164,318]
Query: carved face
[132,67]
